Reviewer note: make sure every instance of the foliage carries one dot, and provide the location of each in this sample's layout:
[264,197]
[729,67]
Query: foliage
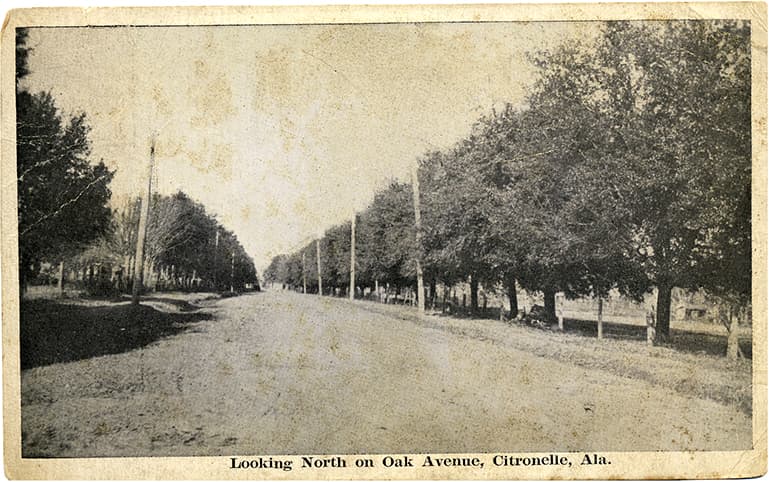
[182,239]
[62,196]
[386,238]
[665,111]
[63,206]
[627,168]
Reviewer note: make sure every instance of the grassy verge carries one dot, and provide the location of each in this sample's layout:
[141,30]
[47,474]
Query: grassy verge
[695,374]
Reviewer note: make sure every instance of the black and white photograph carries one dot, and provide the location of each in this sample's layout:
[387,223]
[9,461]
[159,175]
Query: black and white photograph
[384,247]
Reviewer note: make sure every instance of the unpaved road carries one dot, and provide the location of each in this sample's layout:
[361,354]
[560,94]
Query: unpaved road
[283,373]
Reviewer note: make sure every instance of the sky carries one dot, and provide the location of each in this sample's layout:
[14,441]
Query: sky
[281,131]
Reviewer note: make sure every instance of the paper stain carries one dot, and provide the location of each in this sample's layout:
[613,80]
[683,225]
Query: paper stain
[211,97]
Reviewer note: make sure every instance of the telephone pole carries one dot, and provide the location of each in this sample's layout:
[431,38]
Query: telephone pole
[232,273]
[320,278]
[142,234]
[216,251]
[352,257]
[418,226]
[304,274]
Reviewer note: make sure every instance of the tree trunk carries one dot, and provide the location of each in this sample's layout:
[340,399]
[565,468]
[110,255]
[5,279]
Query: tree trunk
[60,285]
[23,278]
[664,291]
[512,295]
[733,341]
[474,294]
[550,304]
[433,287]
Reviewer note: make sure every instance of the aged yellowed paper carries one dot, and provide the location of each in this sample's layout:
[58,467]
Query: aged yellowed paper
[385,242]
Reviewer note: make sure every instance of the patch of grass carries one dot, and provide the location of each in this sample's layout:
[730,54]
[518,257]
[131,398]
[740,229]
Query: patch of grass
[693,364]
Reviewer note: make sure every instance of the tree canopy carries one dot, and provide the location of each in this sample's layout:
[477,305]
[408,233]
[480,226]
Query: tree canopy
[628,167]
[62,196]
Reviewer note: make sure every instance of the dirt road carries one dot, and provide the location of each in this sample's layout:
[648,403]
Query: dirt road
[283,373]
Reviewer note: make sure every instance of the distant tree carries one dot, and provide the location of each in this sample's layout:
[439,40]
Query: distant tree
[335,256]
[183,237]
[123,231]
[175,221]
[277,271]
[458,236]
[386,238]
[308,268]
[22,54]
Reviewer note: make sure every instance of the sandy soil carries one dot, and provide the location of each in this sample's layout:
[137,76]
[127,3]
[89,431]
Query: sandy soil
[283,373]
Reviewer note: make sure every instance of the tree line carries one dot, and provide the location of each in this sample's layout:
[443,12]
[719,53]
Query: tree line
[627,167]
[67,226]
[185,249]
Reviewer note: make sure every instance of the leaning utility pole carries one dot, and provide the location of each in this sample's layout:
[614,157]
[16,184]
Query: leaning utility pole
[352,258]
[320,278]
[418,226]
[140,238]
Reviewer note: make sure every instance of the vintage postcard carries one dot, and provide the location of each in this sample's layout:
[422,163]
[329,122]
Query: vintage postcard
[385,242]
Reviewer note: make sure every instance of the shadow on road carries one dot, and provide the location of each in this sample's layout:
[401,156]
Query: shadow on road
[53,332]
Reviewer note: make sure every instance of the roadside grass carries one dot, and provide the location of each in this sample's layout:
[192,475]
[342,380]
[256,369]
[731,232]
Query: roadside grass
[686,337]
[689,365]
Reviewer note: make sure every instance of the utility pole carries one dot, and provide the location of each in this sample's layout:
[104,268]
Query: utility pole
[304,274]
[600,317]
[216,252]
[320,278]
[232,273]
[352,258]
[142,234]
[418,226]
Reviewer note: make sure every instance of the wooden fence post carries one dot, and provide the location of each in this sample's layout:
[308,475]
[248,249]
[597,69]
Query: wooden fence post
[600,318]
[650,329]
[60,285]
